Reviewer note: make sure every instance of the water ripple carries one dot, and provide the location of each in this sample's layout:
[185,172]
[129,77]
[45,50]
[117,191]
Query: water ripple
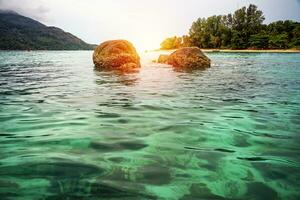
[70,132]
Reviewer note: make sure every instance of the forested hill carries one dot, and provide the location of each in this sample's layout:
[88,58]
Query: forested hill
[22,33]
[244,29]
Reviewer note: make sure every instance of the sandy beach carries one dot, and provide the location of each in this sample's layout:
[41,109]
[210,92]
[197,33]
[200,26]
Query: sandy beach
[240,51]
[252,50]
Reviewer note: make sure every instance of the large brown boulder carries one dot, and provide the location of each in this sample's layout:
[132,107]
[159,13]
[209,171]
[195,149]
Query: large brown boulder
[116,55]
[188,58]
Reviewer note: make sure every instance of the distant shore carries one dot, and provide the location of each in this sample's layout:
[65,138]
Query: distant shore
[252,50]
[242,50]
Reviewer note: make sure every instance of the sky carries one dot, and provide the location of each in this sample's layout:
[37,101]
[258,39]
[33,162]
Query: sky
[144,23]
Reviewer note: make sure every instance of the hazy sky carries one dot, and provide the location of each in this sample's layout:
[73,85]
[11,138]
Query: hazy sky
[145,23]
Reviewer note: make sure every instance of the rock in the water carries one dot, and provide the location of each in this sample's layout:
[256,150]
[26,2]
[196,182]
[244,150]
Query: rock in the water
[116,55]
[188,58]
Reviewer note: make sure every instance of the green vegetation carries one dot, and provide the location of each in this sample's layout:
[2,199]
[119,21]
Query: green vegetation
[21,33]
[242,30]
[176,42]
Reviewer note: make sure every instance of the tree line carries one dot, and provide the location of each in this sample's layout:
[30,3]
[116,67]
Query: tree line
[242,30]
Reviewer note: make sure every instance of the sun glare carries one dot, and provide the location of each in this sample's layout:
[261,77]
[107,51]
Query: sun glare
[146,43]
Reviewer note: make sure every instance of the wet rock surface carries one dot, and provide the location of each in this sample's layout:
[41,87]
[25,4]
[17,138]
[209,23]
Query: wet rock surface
[186,58]
[116,55]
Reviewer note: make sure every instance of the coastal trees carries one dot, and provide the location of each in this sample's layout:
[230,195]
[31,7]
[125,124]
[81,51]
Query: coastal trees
[197,32]
[284,34]
[259,41]
[175,42]
[212,32]
[246,22]
[296,36]
[278,41]
[169,43]
[225,31]
[241,30]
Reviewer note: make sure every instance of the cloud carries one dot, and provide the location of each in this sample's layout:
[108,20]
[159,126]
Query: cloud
[33,9]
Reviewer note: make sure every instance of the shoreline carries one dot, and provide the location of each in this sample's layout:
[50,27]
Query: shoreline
[251,50]
[243,50]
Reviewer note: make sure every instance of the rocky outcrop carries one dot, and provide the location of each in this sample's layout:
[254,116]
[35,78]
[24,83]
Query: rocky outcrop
[187,58]
[116,55]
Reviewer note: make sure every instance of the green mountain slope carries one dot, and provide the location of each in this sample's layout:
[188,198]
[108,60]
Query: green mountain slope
[22,33]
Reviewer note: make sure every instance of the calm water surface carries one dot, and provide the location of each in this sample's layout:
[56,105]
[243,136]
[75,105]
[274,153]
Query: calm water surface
[229,132]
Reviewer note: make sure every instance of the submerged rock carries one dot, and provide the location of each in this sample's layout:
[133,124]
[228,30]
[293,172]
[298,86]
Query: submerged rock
[116,55]
[186,58]
[260,191]
[201,191]
[154,174]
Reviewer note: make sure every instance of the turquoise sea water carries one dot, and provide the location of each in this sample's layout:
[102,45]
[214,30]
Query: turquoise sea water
[229,132]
